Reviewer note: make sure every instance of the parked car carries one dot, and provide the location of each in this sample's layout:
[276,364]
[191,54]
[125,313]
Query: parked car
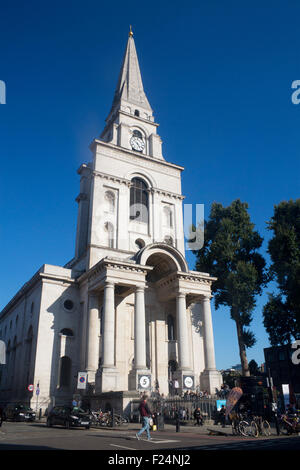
[68,417]
[18,412]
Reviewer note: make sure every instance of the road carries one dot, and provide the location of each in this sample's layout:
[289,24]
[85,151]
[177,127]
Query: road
[36,436]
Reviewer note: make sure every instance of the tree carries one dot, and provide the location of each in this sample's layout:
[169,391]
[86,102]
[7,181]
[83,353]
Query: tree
[230,253]
[282,311]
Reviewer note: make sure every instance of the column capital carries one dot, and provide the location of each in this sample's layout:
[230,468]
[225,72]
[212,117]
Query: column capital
[109,284]
[180,294]
[140,288]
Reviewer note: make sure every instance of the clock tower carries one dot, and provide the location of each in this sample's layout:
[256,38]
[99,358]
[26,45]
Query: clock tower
[130,123]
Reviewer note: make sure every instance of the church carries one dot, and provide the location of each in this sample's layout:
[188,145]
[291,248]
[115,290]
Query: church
[126,312]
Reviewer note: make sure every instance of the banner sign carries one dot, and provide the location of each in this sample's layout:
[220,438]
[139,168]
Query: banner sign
[232,399]
[286,394]
[220,403]
[144,382]
[188,382]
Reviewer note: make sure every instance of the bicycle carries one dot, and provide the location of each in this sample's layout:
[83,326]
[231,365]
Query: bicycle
[243,426]
[263,426]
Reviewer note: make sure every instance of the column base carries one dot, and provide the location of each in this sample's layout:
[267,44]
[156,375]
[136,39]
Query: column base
[210,380]
[107,379]
[140,380]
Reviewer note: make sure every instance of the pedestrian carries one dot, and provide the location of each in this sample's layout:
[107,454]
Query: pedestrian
[198,417]
[1,416]
[145,414]
[222,414]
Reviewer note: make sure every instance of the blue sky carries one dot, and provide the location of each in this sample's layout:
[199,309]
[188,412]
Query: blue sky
[218,76]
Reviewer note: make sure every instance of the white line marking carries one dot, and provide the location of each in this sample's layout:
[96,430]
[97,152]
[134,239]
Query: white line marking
[123,447]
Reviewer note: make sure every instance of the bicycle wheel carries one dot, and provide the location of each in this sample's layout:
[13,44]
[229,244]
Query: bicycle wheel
[266,428]
[254,429]
[244,428]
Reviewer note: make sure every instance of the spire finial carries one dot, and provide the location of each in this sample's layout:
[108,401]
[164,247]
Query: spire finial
[130,32]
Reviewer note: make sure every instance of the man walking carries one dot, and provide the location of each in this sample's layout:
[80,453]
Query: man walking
[145,415]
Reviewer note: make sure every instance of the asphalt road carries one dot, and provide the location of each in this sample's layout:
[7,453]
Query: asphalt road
[117,443]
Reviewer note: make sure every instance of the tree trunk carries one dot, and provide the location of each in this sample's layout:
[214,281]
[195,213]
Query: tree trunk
[242,349]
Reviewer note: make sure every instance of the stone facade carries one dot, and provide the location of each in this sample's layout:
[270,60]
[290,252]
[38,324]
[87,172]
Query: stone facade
[126,309]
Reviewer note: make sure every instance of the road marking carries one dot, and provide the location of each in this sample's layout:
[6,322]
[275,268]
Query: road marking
[123,447]
[155,440]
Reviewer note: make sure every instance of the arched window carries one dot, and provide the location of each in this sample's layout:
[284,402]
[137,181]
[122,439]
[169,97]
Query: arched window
[136,112]
[139,201]
[167,217]
[65,371]
[109,202]
[171,328]
[109,234]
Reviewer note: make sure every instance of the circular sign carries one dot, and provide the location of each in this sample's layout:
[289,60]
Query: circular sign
[30,388]
[82,379]
[188,382]
[144,381]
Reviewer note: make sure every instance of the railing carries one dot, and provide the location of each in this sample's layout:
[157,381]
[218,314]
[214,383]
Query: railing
[183,407]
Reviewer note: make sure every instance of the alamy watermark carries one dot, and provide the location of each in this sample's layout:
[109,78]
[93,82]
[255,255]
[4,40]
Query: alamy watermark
[151,218]
[296,354]
[296,94]
[2,92]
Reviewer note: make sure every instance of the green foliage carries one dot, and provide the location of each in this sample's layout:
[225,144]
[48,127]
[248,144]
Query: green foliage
[282,312]
[230,253]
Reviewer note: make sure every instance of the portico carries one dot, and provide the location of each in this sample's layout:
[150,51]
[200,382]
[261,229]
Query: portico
[158,272]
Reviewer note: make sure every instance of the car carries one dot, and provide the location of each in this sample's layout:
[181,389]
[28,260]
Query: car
[18,412]
[68,417]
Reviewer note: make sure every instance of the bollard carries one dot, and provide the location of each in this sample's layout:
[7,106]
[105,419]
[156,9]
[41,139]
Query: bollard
[177,425]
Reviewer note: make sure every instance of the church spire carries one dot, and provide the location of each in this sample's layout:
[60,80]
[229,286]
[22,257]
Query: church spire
[130,90]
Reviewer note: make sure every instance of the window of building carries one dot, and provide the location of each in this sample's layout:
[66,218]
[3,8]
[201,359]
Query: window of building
[139,201]
[167,217]
[68,305]
[171,328]
[109,234]
[65,371]
[136,112]
[66,332]
[109,202]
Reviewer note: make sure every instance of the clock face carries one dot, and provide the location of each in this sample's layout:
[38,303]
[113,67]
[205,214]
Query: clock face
[188,381]
[137,143]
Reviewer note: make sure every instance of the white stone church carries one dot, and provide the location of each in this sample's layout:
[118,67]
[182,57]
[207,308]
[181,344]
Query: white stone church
[126,310]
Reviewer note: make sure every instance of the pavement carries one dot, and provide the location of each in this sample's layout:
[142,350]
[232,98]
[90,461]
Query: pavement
[206,429]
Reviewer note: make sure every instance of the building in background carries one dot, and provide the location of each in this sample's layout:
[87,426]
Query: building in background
[279,364]
[126,310]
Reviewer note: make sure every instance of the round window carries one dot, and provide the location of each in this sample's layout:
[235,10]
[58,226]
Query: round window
[68,304]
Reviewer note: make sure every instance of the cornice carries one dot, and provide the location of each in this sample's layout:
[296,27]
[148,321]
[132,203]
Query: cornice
[139,155]
[119,180]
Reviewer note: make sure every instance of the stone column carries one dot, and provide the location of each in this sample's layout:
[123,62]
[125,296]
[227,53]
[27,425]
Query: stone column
[107,379]
[209,349]
[140,367]
[210,378]
[139,329]
[182,329]
[92,337]
[109,325]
